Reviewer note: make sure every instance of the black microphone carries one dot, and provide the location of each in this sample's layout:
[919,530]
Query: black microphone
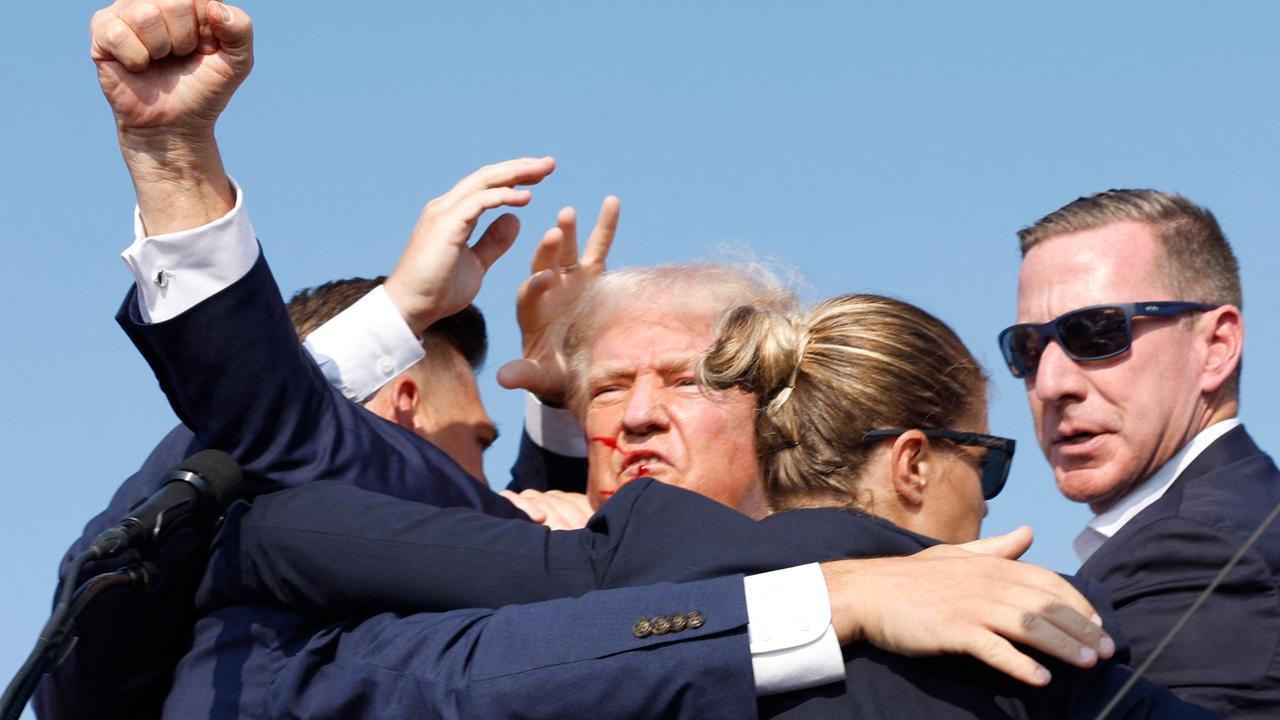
[198,488]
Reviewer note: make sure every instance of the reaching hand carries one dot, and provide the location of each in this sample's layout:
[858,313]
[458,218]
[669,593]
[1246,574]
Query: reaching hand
[170,64]
[968,599]
[556,509]
[438,274]
[544,301]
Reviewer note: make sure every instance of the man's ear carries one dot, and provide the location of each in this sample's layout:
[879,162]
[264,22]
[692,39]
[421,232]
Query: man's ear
[908,466]
[401,406]
[1223,330]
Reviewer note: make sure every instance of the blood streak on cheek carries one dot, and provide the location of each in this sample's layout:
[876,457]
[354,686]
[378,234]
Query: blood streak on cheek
[612,445]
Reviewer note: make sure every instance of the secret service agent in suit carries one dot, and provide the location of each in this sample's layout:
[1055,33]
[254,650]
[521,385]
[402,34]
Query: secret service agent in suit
[153,627]
[1129,339]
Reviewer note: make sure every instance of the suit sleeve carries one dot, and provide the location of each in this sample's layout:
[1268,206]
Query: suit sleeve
[335,551]
[566,658]
[234,372]
[1227,647]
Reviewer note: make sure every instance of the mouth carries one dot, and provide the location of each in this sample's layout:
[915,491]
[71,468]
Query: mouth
[1074,440]
[633,464]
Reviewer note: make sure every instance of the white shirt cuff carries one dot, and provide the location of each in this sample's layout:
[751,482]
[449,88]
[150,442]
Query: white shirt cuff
[177,271]
[793,645]
[364,346]
[553,429]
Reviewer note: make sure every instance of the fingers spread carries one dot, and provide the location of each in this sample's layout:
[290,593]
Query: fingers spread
[567,223]
[547,251]
[496,240]
[602,236]
[521,171]
[1003,656]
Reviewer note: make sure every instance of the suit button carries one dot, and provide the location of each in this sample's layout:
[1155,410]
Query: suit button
[678,622]
[661,625]
[695,620]
[642,629]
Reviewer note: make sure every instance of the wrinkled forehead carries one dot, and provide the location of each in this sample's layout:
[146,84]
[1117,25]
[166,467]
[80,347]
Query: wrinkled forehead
[1117,263]
[664,333]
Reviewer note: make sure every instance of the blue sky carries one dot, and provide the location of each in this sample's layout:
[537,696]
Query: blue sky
[881,148]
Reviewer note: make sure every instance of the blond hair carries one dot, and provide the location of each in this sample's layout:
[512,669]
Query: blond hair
[692,291]
[825,378]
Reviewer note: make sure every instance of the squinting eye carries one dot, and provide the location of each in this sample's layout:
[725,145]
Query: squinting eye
[605,391]
[686,382]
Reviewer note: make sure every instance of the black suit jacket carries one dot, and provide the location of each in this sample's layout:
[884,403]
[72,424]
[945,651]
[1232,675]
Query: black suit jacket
[1228,656]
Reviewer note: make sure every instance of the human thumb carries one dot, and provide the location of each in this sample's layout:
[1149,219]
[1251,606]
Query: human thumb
[234,32]
[519,375]
[1010,546]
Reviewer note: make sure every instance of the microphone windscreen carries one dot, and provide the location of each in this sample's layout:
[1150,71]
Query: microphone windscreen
[220,472]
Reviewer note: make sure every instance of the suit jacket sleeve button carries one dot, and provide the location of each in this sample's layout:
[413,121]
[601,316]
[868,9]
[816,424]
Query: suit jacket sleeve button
[695,620]
[678,622]
[661,625]
[643,628]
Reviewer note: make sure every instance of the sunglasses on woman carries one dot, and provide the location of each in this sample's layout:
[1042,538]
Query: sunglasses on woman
[1092,333]
[995,461]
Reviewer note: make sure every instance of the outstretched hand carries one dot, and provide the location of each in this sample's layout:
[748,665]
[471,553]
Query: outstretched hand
[439,273]
[971,599]
[558,276]
[170,64]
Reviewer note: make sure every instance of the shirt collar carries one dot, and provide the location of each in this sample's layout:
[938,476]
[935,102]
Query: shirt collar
[1106,524]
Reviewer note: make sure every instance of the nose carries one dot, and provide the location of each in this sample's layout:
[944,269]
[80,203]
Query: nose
[645,412]
[1058,377]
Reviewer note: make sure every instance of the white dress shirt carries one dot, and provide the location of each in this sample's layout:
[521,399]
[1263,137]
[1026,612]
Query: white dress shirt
[793,644]
[1106,524]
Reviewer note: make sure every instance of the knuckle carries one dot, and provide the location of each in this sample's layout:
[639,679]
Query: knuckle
[1031,622]
[145,15]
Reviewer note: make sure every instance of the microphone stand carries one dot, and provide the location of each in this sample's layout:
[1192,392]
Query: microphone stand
[56,640]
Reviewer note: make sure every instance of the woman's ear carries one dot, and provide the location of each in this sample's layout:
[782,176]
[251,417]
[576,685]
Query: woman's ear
[909,467]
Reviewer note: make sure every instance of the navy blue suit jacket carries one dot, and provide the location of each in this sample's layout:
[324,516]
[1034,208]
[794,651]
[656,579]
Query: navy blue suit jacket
[1228,656]
[291,548]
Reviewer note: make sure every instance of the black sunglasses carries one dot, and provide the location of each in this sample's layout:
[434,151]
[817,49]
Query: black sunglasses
[995,461]
[1092,333]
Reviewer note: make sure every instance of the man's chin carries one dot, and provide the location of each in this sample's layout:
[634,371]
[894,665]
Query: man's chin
[1092,486]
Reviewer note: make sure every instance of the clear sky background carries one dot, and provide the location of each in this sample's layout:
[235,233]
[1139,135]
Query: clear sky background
[890,149]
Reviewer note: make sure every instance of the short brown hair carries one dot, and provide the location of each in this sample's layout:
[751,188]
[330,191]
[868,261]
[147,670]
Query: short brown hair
[464,331]
[825,378]
[1198,262]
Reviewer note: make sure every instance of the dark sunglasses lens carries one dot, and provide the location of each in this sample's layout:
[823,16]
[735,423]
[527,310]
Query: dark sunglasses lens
[1021,345]
[1094,333]
[995,470]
